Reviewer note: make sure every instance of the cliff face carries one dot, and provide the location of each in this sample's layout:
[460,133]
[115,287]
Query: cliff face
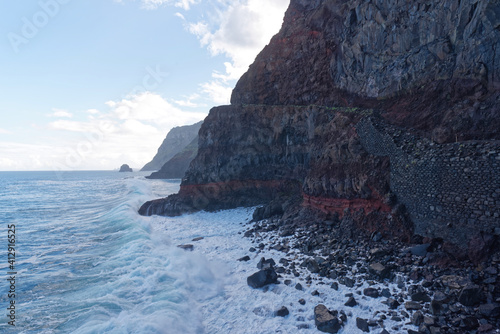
[432,66]
[176,167]
[353,106]
[175,141]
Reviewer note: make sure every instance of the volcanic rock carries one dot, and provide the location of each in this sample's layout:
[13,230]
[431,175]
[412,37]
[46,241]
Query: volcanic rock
[470,295]
[325,321]
[282,312]
[262,278]
[175,141]
[125,168]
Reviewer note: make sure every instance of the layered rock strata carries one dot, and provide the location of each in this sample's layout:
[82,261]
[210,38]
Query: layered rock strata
[321,111]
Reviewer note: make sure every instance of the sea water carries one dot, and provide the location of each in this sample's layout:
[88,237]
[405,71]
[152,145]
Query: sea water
[86,262]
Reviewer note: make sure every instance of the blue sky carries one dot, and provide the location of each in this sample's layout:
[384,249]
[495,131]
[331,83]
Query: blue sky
[97,83]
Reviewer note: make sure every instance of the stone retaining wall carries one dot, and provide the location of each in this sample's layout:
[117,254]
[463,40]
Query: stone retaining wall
[450,191]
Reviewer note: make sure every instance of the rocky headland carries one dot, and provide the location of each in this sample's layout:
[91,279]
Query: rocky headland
[176,167]
[375,121]
[175,142]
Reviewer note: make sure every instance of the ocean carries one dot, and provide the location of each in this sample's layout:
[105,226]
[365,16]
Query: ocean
[86,262]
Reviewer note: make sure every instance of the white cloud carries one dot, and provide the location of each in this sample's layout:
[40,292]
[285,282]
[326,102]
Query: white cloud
[184,4]
[189,101]
[60,113]
[93,111]
[240,31]
[219,92]
[72,126]
[5,132]
[130,131]
[151,107]
[237,29]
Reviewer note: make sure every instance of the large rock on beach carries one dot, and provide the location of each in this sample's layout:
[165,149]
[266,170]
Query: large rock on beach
[325,321]
[262,278]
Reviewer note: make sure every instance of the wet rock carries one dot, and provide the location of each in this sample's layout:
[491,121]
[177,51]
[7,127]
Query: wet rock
[251,249]
[371,292]
[380,270]
[244,258]
[351,302]
[420,297]
[188,247]
[469,323]
[311,265]
[315,293]
[263,263]
[362,324]
[302,301]
[413,306]
[386,293]
[392,303]
[491,310]
[198,239]
[485,328]
[282,312]
[325,321]
[335,286]
[435,307]
[429,321]
[417,319]
[419,250]
[470,295]
[348,282]
[298,286]
[480,247]
[262,278]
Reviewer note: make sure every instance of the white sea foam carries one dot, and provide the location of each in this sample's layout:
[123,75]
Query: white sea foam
[217,281]
[88,263]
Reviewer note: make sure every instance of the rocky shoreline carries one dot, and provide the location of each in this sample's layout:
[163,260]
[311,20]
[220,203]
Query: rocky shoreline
[432,292]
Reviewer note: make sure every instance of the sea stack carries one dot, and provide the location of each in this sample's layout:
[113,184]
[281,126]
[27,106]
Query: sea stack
[125,168]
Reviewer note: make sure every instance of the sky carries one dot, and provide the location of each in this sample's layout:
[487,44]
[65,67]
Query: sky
[93,84]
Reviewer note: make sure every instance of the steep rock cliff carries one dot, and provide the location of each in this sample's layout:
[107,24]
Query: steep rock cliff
[175,141]
[339,76]
[432,66]
[176,167]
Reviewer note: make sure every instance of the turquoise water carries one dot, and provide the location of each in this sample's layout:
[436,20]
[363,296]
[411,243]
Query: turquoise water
[85,261]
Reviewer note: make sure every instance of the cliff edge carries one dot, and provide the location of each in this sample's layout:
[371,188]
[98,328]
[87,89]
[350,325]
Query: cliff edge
[374,116]
[175,141]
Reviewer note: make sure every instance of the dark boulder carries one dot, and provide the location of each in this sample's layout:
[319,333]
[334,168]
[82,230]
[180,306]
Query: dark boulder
[262,278]
[419,250]
[325,321]
[263,263]
[187,247]
[371,292]
[379,270]
[351,302]
[470,295]
[282,312]
[362,324]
